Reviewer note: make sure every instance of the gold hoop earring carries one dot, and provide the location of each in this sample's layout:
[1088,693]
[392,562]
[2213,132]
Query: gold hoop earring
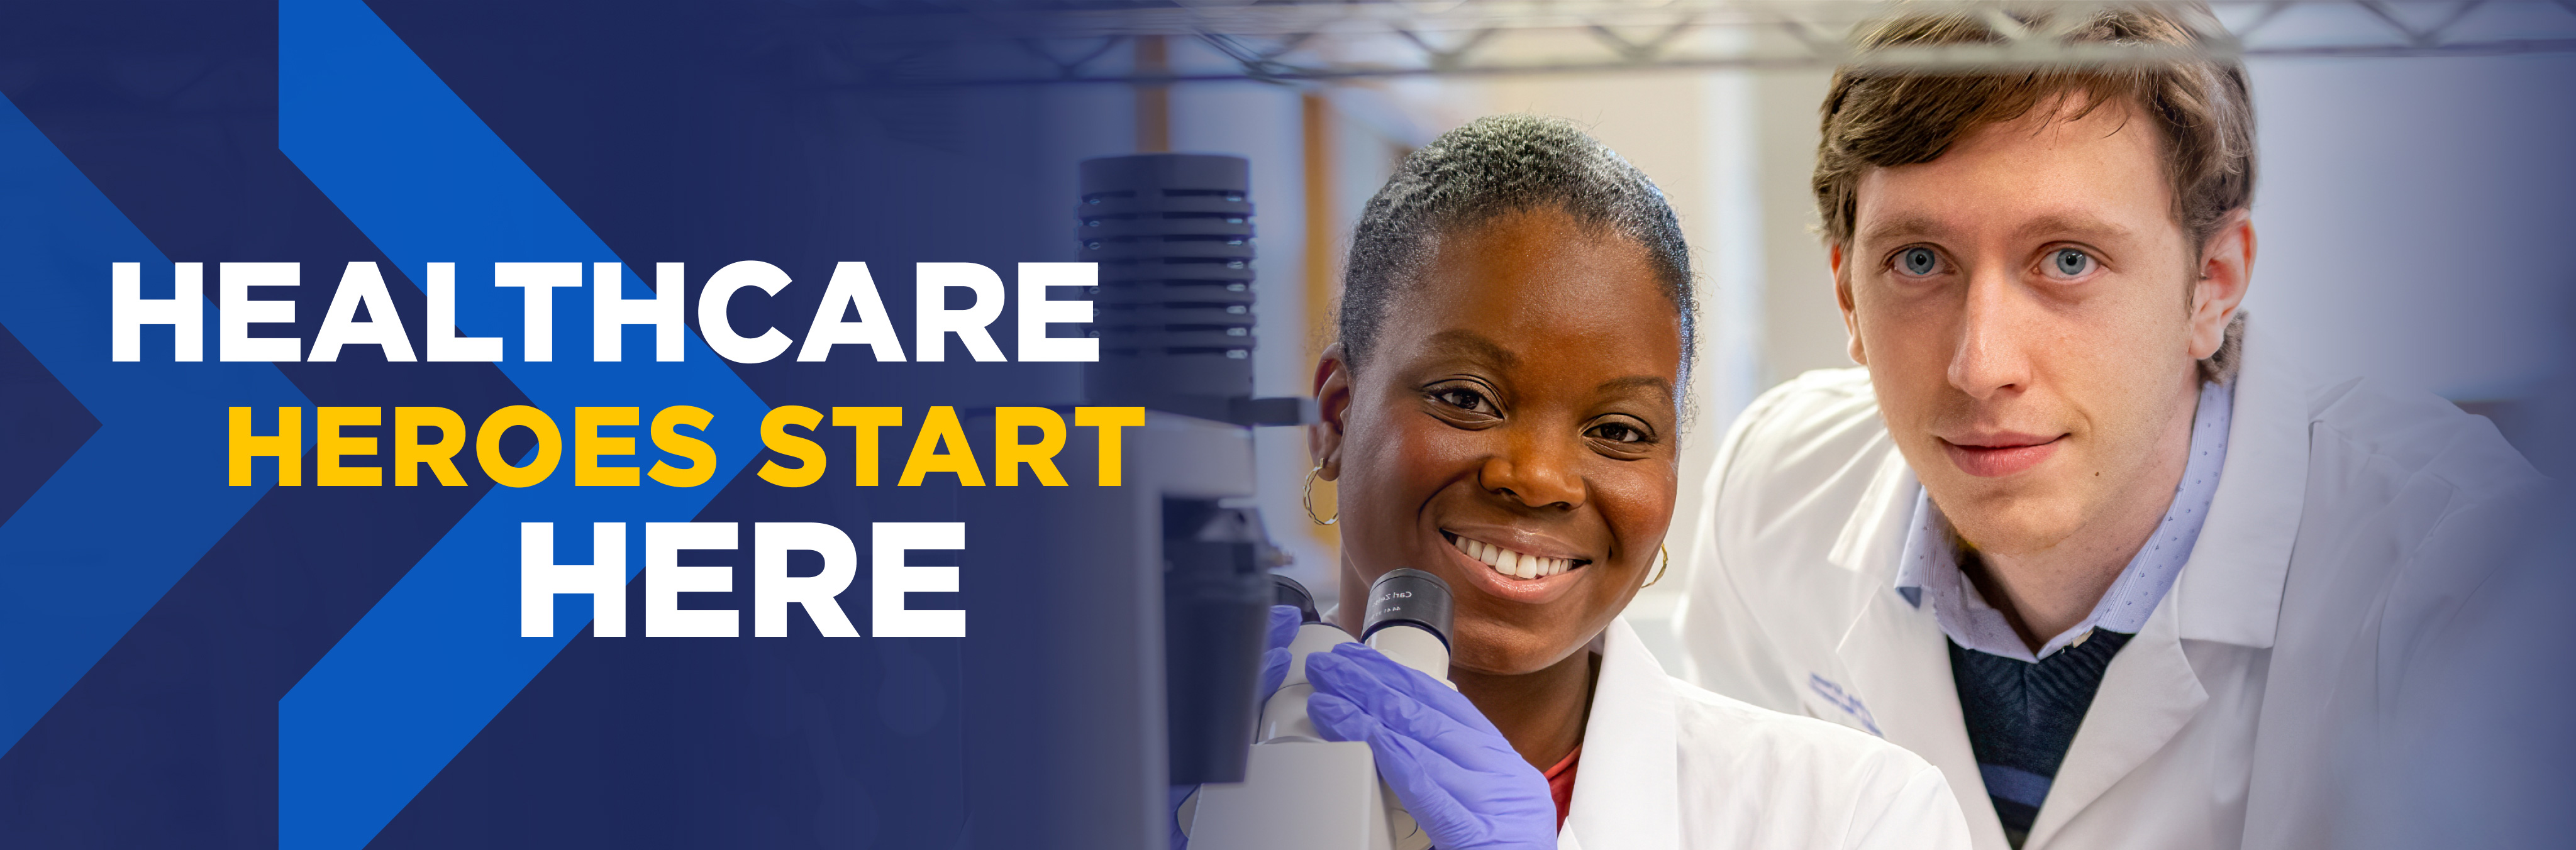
[1666,565]
[1310,499]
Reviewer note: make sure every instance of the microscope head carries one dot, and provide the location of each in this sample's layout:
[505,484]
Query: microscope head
[1408,620]
[1292,594]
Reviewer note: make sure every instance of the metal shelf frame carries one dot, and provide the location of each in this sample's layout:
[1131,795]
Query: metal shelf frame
[1311,41]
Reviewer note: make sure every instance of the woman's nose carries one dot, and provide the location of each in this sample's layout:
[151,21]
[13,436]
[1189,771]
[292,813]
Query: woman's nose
[1535,472]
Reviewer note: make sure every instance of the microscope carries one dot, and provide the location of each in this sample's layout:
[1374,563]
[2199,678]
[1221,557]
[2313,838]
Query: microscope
[1301,792]
[1173,237]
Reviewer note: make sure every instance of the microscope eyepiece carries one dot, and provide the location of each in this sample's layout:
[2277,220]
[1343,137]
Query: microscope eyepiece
[1294,594]
[1409,597]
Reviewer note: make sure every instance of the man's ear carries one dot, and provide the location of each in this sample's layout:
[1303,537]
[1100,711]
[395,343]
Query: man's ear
[1333,407]
[1843,297]
[2226,271]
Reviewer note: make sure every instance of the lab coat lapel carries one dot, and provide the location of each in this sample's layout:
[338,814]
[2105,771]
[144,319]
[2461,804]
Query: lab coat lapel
[1627,786]
[1898,662]
[2148,694]
[2230,590]
[1895,660]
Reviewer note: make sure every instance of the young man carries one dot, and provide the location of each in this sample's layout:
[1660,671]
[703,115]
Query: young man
[2074,533]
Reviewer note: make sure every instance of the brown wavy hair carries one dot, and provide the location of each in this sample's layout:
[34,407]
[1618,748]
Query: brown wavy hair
[1882,117]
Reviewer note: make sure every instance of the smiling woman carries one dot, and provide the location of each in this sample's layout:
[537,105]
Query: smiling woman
[1503,411]
[1527,410]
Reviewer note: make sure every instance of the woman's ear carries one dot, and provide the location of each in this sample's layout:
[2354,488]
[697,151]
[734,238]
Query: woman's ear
[1332,406]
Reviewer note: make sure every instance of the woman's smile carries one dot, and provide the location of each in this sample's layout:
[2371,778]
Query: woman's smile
[1528,574]
[1510,561]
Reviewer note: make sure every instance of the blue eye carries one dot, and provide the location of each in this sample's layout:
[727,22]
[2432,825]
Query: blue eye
[2069,262]
[1918,261]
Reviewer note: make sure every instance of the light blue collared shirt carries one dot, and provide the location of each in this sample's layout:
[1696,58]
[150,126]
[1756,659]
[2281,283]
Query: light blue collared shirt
[1930,565]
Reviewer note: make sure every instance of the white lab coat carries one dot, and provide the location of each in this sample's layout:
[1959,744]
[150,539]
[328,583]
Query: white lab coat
[1668,766]
[2349,521]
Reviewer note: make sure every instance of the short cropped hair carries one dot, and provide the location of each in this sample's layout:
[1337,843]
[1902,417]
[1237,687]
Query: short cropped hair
[1879,117]
[1493,167]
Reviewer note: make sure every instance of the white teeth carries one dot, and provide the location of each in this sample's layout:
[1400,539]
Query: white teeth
[1515,564]
[1518,565]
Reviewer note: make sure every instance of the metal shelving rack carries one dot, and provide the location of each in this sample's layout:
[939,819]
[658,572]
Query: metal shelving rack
[1293,41]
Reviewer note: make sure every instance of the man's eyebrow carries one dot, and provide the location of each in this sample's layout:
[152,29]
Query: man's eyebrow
[1900,227]
[2073,225]
[1472,344]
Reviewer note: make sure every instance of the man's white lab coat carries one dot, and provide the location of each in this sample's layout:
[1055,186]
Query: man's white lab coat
[1668,766]
[2348,523]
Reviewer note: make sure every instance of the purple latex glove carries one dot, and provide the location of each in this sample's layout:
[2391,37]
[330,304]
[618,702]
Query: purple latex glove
[1455,773]
[1284,620]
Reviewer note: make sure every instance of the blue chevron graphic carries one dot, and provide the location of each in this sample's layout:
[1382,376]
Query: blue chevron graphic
[440,655]
[42,423]
[144,498]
